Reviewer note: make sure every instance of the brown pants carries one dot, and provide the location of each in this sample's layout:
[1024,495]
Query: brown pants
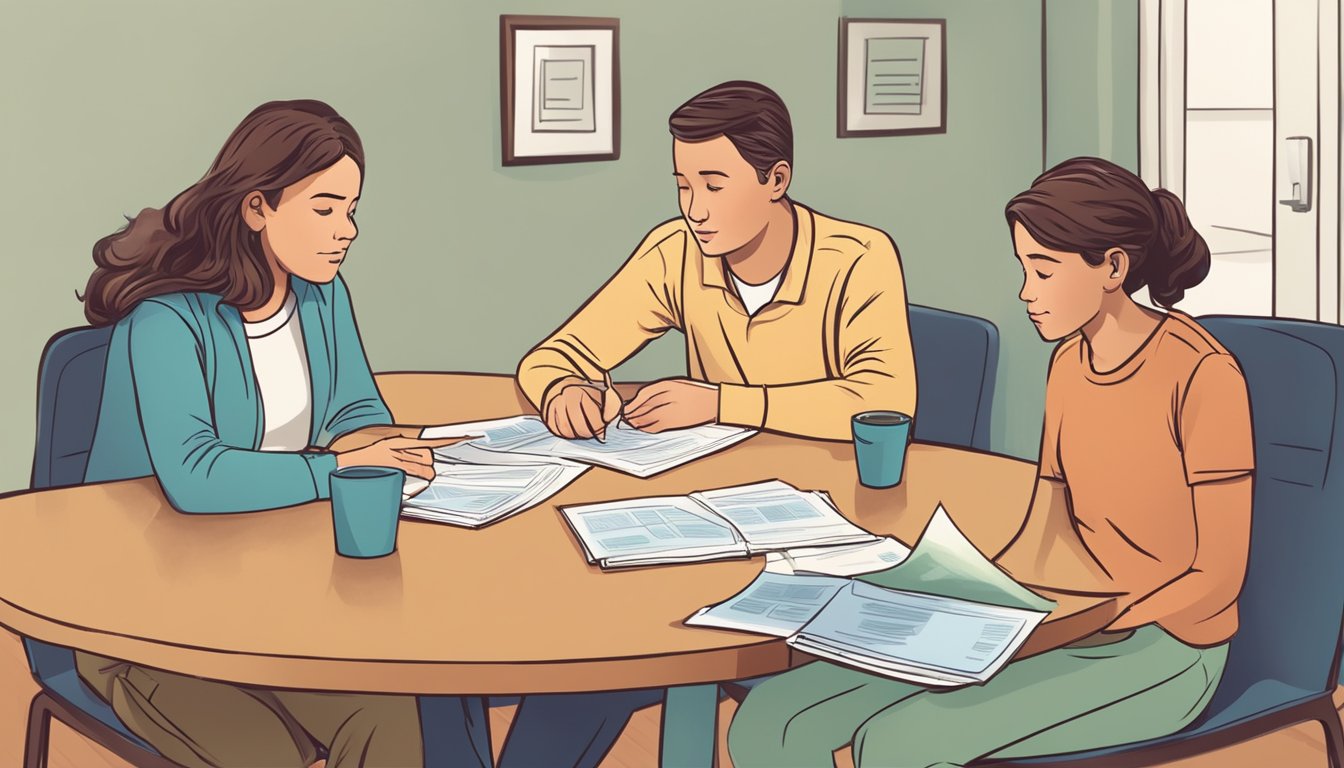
[206,724]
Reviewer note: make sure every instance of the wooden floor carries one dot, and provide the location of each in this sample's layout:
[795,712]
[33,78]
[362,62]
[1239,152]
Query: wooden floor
[1300,747]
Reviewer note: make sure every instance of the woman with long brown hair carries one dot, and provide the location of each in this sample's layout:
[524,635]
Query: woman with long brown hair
[234,358]
[1146,453]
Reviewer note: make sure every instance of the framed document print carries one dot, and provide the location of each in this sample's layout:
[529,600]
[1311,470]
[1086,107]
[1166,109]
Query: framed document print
[560,89]
[892,77]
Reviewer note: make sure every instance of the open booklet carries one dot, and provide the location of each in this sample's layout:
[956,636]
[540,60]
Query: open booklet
[624,448]
[473,488]
[945,616]
[709,525]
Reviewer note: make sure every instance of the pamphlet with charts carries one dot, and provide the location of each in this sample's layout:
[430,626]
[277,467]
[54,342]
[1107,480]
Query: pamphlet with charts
[624,448]
[945,616]
[473,488]
[710,525]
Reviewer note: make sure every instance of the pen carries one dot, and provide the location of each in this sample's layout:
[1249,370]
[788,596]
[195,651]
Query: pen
[608,388]
[620,404]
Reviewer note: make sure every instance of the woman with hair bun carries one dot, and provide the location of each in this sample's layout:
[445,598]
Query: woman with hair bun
[1143,494]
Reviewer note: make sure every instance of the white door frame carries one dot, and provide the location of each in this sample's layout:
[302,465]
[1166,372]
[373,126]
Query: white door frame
[1331,67]
[1308,279]
[1162,94]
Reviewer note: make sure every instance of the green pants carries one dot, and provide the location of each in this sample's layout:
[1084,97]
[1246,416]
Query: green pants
[207,724]
[1146,685]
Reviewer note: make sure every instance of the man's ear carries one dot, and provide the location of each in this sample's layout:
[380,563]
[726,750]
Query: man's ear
[254,209]
[1116,263]
[778,180]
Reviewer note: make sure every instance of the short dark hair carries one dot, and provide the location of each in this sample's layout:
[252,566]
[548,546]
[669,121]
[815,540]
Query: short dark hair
[750,115]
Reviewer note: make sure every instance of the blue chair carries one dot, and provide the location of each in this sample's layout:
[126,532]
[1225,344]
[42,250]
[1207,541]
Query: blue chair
[956,361]
[70,388]
[69,391]
[1283,663]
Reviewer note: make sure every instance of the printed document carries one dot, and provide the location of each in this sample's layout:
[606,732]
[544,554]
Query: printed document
[473,488]
[625,449]
[945,616]
[713,525]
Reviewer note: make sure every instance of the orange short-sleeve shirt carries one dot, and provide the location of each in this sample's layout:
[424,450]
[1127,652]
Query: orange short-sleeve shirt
[1131,444]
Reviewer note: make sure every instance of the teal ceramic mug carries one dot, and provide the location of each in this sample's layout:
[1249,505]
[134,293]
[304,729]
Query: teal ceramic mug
[880,440]
[365,508]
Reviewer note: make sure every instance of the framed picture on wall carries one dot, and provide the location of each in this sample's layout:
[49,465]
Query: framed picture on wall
[892,77]
[560,89]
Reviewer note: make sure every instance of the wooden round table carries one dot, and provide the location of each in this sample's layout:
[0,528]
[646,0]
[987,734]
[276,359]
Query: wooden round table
[263,599]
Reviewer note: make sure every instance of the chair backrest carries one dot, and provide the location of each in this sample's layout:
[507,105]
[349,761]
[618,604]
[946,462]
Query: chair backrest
[956,362]
[69,391]
[1292,604]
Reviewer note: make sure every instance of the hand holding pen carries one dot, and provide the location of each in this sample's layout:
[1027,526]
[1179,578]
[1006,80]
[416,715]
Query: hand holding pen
[611,406]
[583,408]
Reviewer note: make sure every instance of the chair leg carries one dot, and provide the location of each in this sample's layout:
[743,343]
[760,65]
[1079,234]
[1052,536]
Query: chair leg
[39,732]
[690,726]
[736,692]
[1334,735]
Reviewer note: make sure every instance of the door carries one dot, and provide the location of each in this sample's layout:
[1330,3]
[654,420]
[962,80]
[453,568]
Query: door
[1306,140]
[1239,116]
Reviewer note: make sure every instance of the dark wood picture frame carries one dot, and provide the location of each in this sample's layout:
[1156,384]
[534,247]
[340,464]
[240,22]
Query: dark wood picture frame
[842,128]
[509,25]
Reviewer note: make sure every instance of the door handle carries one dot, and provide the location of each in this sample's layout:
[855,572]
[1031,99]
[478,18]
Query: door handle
[1299,174]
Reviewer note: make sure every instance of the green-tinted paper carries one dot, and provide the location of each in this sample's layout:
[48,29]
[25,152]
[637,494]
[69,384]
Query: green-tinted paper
[945,563]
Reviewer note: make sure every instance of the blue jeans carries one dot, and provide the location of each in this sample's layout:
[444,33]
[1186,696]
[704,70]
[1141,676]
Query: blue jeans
[549,730]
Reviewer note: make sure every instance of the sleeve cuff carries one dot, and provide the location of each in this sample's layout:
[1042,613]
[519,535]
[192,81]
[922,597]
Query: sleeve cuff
[742,406]
[1195,477]
[553,389]
[334,432]
[321,465]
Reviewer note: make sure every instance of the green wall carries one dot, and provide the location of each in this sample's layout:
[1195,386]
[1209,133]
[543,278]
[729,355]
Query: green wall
[1092,80]
[462,264]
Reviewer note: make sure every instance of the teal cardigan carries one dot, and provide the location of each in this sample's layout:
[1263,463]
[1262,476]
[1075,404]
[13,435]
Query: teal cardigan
[180,402]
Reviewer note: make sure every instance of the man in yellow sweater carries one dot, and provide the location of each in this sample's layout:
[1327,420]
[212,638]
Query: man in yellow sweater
[794,321]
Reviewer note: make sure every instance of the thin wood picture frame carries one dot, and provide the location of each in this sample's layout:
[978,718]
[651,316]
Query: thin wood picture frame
[560,89]
[891,77]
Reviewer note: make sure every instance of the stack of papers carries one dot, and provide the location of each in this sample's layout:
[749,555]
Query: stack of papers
[916,637]
[840,560]
[774,516]
[945,616]
[475,488]
[625,449]
[713,525]
[515,463]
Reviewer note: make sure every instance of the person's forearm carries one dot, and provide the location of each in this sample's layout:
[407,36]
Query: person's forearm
[1047,550]
[362,438]
[872,366]
[1196,593]
[639,303]
[820,409]
[1214,580]
[1047,512]
[213,478]
[544,372]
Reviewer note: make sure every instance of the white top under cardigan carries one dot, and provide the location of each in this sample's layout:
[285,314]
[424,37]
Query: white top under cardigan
[280,363]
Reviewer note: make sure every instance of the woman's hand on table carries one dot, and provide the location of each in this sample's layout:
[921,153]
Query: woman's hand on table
[413,455]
